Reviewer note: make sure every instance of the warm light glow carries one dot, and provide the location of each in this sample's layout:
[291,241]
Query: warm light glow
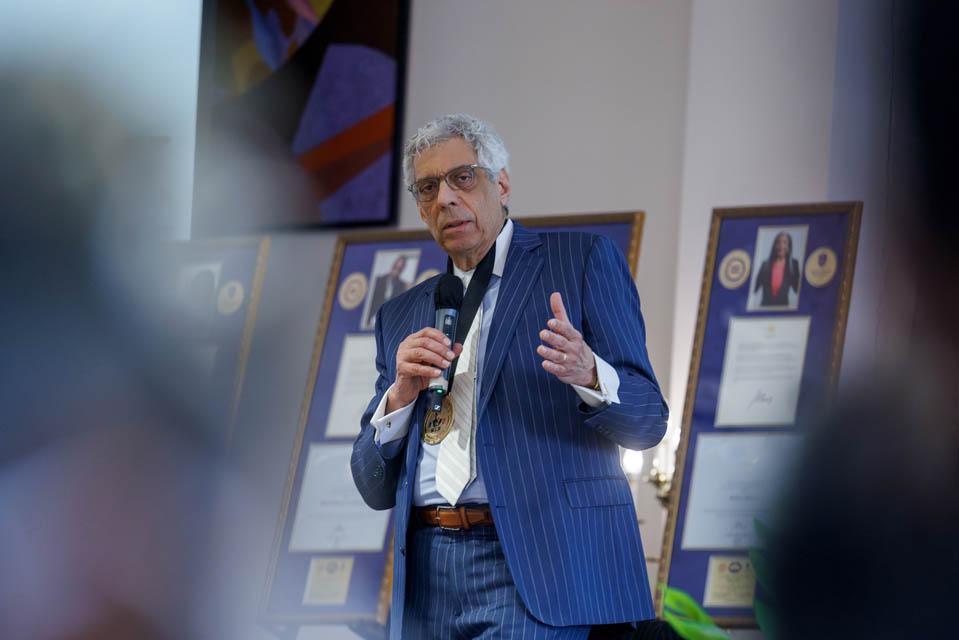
[633,462]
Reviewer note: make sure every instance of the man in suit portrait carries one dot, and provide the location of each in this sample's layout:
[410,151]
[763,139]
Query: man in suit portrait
[387,286]
[512,515]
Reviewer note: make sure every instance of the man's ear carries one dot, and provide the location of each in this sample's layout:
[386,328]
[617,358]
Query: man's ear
[502,184]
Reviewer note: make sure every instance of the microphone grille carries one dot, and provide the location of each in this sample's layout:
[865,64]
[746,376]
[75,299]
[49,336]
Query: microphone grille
[449,292]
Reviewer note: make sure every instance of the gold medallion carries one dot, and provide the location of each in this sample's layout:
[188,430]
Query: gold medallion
[734,269]
[437,426]
[353,290]
[821,267]
[230,298]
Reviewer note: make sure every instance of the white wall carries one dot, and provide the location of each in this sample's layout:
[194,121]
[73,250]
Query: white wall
[759,113]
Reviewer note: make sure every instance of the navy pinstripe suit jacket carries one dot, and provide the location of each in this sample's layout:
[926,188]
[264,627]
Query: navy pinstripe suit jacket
[560,501]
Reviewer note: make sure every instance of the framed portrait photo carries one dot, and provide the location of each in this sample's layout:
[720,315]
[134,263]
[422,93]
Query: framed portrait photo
[778,265]
[394,271]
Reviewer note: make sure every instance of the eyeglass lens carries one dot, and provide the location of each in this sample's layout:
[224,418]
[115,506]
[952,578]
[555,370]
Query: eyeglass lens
[460,178]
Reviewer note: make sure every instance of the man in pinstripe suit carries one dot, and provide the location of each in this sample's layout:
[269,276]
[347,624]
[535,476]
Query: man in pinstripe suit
[538,538]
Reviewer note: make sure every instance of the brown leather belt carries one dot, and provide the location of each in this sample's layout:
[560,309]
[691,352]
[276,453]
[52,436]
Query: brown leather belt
[455,518]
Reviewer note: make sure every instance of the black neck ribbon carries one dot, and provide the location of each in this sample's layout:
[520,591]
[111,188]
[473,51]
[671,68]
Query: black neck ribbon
[475,293]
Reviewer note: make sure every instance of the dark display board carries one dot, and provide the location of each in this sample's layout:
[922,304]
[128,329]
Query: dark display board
[766,355]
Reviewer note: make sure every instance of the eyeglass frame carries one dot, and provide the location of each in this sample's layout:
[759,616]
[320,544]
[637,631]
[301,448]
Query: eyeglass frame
[446,178]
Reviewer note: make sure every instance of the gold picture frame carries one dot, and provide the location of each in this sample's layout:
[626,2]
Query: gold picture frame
[854,211]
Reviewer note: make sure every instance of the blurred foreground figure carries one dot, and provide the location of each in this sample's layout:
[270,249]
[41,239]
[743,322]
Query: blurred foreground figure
[107,476]
[869,543]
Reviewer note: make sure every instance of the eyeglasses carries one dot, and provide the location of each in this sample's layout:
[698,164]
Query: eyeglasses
[462,178]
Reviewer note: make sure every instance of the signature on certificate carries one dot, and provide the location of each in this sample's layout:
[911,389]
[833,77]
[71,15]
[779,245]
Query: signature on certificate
[761,397]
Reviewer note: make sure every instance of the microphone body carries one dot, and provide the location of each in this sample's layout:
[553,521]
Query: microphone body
[449,298]
[445,322]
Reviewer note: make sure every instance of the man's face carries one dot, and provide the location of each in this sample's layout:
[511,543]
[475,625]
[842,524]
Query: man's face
[398,265]
[464,223]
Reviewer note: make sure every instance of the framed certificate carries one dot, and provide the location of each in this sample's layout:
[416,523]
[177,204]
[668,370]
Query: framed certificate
[331,561]
[762,371]
[766,354]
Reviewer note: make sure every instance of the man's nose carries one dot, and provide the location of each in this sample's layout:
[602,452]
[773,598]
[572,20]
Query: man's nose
[447,195]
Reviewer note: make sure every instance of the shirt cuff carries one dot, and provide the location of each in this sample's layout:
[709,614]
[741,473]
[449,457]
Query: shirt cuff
[393,426]
[608,385]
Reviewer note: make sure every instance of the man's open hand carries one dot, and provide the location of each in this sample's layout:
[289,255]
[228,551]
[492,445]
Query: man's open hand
[564,352]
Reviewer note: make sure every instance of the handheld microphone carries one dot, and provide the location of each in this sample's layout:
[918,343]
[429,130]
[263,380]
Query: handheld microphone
[449,299]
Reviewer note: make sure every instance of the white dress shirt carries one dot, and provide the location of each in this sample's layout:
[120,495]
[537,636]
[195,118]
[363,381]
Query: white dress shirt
[391,428]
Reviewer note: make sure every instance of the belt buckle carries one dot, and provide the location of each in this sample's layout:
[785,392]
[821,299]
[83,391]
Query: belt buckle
[463,524]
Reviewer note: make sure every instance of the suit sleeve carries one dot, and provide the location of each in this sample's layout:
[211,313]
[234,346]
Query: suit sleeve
[375,476]
[613,327]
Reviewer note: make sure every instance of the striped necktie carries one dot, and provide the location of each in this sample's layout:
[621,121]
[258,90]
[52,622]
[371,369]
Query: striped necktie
[456,459]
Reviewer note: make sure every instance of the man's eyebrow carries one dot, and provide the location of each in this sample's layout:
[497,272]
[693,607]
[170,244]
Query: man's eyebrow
[443,173]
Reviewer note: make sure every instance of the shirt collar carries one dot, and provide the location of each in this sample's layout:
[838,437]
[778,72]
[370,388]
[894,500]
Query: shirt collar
[502,247]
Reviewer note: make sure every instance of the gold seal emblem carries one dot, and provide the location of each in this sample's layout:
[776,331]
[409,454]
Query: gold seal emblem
[437,426]
[230,298]
[821,267]
[734,269]
[352,291]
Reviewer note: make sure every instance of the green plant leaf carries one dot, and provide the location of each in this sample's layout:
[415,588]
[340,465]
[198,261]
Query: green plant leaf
[683,604]
[766,620]
[691,630]
[761,567]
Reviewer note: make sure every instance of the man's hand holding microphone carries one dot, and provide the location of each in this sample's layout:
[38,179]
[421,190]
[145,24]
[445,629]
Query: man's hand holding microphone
[422,356]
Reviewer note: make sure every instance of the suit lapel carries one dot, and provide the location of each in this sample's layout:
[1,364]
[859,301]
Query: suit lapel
[520,276]
[424,307]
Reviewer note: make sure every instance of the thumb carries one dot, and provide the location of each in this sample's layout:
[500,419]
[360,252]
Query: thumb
[556,303]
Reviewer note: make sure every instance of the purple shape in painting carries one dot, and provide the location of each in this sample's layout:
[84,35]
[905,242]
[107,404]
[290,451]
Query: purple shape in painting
[354,83]
[365,196]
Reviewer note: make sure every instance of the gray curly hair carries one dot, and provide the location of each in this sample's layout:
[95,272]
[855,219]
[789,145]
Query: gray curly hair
[490,150]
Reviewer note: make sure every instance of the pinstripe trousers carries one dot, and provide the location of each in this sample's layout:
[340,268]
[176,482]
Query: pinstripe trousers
[459,587]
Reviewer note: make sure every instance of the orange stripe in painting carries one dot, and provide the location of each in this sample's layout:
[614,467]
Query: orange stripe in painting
[373,130]
[336,174]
